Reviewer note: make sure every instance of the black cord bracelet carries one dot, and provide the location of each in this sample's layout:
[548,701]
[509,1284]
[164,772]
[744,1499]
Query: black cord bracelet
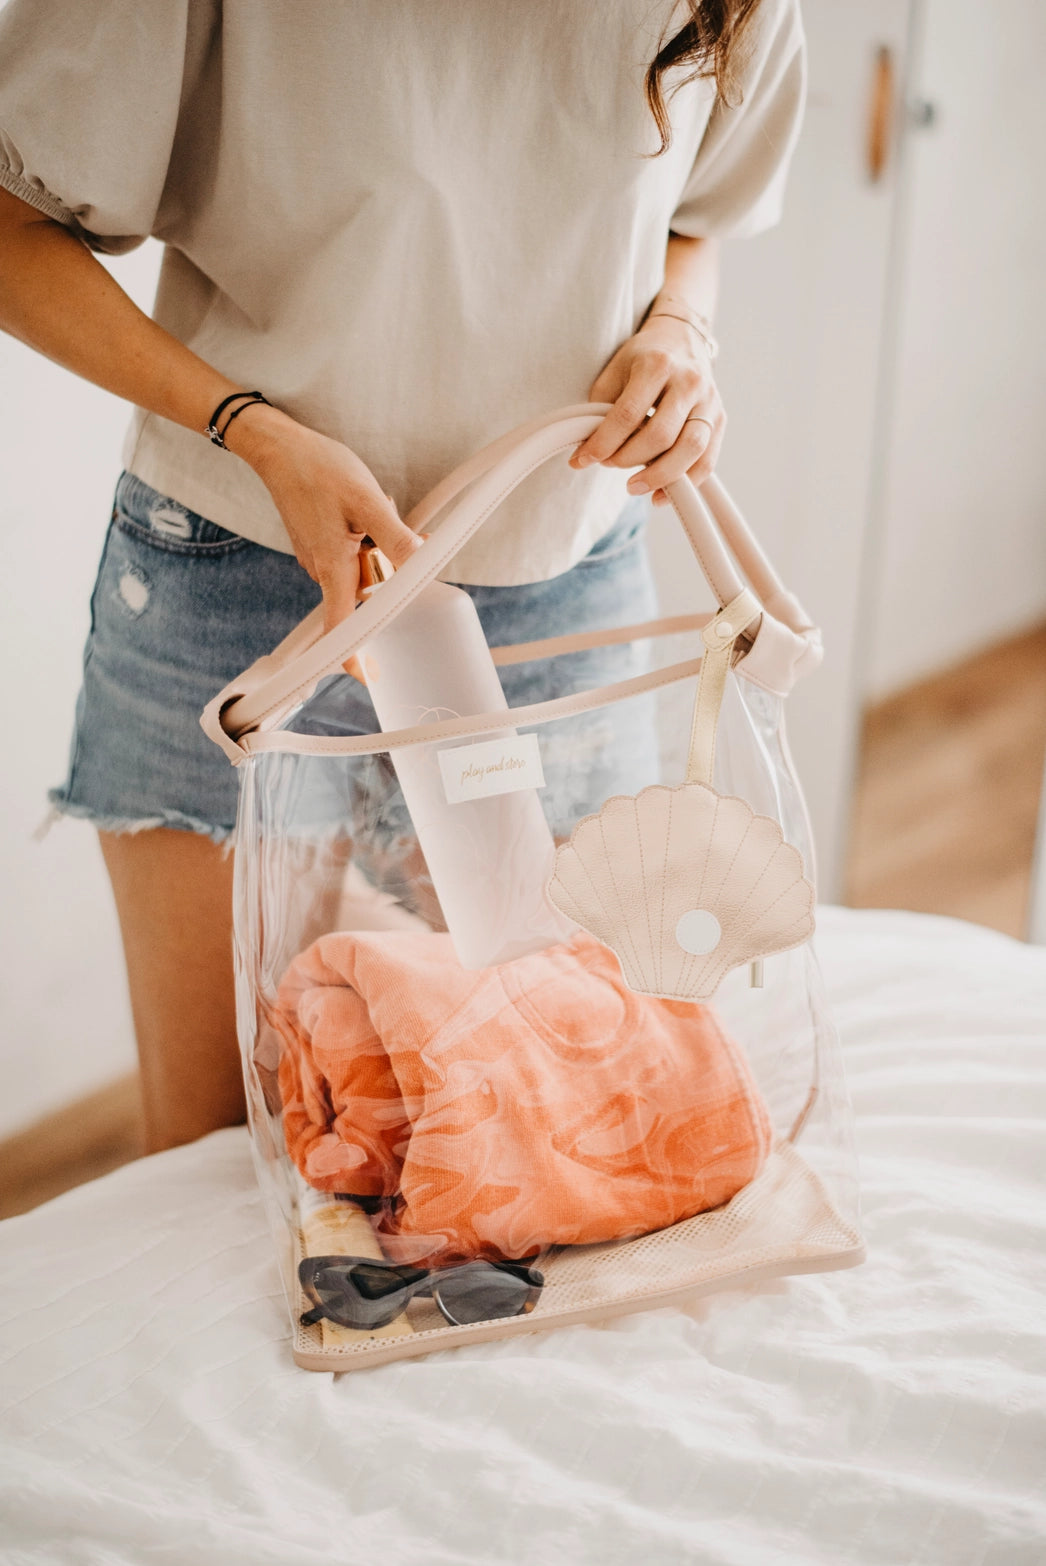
[237,411]
[218,436]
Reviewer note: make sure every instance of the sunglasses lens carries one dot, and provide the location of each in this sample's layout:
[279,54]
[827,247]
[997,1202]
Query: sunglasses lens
[358,1293]
[378,1280]
[483,1294]
[332,1298]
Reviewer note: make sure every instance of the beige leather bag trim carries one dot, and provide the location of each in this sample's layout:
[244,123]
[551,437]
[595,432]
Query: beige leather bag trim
[463,728]
[258,698]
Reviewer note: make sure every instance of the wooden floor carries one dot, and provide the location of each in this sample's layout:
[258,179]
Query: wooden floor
[948,791]
[945,813]
[81,1142]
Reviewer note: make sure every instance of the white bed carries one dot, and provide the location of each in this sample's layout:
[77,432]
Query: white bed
[892,1414]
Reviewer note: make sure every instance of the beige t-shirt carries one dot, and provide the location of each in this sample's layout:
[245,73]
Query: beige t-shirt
[412,223]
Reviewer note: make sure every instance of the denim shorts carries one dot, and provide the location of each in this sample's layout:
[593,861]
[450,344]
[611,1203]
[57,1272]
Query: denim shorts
[181,606]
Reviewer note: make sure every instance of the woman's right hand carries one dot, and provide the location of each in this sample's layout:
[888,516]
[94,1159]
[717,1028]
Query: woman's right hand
[57,297]
[329,501]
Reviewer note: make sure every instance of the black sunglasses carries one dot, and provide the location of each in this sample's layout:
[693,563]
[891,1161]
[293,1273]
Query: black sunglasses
[354,1291]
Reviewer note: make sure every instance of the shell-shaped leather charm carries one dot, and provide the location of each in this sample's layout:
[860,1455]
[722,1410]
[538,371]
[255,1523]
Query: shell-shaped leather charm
[683,884]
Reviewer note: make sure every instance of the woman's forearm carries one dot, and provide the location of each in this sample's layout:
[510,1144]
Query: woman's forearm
[691,276]
[59,299]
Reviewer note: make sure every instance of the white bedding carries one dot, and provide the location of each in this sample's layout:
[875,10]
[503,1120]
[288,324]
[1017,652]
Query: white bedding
[893,1414]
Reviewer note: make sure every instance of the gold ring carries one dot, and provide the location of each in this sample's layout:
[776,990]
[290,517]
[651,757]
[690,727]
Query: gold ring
[695,418]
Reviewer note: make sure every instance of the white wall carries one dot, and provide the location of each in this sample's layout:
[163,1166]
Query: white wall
[963,542]
[64,1018]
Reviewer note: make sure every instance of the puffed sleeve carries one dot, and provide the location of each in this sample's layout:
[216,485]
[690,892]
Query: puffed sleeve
[737,181]
[90,95]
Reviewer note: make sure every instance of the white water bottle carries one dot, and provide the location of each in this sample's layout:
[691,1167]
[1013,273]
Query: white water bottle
[489,857]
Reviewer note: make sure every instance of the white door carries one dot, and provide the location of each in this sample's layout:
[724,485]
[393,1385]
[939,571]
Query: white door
[962,552]
[801,325]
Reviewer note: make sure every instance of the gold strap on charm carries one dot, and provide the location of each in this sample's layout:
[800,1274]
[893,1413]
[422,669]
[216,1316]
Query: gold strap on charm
[375,568]
[719,636]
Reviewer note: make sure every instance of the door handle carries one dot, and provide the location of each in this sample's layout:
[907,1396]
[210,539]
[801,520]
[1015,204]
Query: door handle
[880,114]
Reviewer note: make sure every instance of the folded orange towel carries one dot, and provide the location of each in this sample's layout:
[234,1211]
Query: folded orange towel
[540,1102]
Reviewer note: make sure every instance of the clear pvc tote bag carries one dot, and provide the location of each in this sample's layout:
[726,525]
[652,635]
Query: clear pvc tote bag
[532,1025]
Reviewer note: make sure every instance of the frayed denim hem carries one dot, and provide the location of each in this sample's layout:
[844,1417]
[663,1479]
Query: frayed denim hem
[126,826]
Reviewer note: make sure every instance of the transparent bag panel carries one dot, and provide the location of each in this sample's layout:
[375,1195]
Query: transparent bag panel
[449,1148]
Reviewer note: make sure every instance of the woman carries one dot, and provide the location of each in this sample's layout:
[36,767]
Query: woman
[412,226]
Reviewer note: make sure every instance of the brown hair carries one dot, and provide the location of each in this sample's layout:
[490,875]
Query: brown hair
[706,43]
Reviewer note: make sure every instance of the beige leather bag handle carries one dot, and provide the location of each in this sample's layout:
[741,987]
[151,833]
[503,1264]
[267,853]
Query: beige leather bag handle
[790,644]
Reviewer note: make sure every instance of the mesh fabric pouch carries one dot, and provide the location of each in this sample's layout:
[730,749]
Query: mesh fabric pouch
[517,1053]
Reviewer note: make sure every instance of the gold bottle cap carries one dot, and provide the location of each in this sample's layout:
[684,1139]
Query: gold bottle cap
[375,568]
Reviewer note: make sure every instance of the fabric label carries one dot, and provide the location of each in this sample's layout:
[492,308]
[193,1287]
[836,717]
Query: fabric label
[498,766]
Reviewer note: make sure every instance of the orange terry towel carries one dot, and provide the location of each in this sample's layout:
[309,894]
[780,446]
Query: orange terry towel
[539,1102]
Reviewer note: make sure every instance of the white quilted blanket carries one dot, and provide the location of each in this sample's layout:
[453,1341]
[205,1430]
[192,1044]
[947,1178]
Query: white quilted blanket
[891,1415]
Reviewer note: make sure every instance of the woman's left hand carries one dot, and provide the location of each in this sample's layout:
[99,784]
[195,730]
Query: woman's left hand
[665,367]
